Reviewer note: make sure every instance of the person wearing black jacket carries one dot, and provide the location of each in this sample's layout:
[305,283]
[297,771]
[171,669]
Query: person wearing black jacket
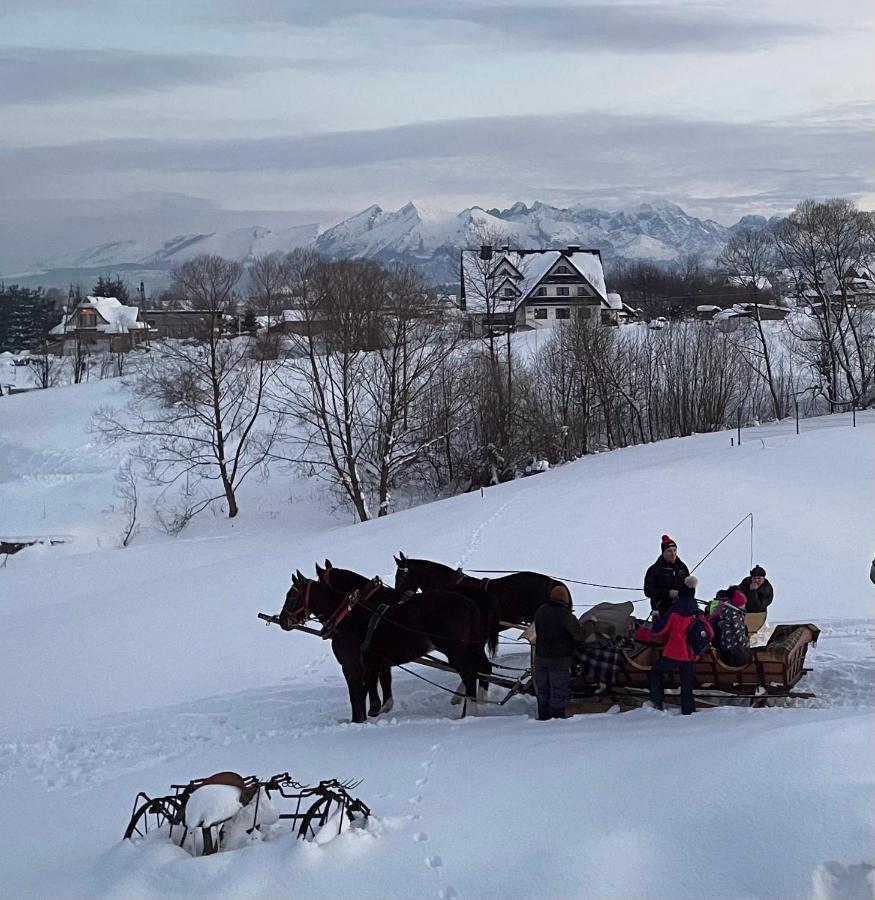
[664,579]
[557,634]
[758,590]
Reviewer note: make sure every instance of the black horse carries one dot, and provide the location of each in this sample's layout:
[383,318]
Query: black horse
[490,613]
[439,620]
[518,595]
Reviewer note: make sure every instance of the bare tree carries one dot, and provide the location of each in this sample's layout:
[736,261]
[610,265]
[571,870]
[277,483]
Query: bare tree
[748,258]
[414,343]
[818,243]
[47,368]
[127,491]
[195,407]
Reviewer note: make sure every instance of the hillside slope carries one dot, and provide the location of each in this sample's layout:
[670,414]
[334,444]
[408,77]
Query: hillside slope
[134,668]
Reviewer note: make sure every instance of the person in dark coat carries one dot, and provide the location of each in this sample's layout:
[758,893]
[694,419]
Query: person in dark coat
[671,631]
[758,590]
[664,579]
[557,634]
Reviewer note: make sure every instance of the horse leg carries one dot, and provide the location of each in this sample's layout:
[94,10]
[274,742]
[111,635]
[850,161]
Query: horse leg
[373,694]
[386,686]
[485,668]
[356,686]
[465,664]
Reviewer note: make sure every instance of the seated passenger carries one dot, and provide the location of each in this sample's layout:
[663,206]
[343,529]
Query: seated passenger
[726,615]
[758,590]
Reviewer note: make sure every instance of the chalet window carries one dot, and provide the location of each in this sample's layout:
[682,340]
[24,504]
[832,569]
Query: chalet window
[541,292]
[508,292]
[87,318]
[540,313]
[581,291]
[563,270]
[562,292]
[562,312]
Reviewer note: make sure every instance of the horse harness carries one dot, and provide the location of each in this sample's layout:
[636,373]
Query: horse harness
[380,611]
[482,583]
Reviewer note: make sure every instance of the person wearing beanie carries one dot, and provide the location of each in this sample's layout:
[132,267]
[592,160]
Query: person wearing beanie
[758,590]
[557,634]
[664,579]
[671,631]
[726,615]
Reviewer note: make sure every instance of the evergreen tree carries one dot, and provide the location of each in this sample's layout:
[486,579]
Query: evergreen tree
[111,287]
[26,316]
[250,322]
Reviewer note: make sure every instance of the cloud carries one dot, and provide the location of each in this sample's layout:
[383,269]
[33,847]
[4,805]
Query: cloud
[593,27]
[40,75]
[779,162]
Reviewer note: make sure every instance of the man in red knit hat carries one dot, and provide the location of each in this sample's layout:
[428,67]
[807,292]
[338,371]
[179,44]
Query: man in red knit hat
[664,579]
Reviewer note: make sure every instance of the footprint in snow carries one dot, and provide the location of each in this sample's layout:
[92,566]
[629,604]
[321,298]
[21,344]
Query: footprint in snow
[447,893]
[421,781]
[433,862]
[419,837]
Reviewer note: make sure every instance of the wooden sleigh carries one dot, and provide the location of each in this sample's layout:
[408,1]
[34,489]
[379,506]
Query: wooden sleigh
[773,672]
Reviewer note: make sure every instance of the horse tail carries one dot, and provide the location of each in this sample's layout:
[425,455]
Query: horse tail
[492,621]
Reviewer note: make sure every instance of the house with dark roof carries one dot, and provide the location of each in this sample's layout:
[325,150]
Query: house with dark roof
[526,289]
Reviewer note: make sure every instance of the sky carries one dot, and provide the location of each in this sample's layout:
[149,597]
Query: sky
[319,109]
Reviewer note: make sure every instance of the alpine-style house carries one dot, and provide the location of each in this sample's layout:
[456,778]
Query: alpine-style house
[99,324]
[528,289]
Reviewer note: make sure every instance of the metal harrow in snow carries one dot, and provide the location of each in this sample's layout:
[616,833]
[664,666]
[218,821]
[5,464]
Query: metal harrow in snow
[307,808]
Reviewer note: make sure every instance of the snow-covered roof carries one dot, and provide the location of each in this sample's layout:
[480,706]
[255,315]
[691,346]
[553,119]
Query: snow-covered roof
[113,316]
[483,279]
[707,307]
[762,283]
[615,301]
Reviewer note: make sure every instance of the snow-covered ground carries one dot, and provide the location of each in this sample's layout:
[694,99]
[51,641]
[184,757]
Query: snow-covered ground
[131,669]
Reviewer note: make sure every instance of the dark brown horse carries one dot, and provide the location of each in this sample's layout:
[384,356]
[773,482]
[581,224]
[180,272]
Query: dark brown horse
[518,595]
[490,613]
[437,620]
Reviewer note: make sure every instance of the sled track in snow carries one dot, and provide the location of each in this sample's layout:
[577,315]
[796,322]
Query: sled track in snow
[76,756]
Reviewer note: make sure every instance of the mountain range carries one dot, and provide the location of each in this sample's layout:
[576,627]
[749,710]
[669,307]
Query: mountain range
[414,234]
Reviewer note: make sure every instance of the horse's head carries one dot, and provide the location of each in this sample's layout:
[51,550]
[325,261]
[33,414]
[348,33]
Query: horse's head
[305,598]
[402,573]
[343,580]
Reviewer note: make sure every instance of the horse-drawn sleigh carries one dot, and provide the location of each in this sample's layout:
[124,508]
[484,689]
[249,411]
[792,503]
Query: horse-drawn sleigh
[433,607]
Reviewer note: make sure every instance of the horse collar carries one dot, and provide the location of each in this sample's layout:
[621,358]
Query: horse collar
[350,600]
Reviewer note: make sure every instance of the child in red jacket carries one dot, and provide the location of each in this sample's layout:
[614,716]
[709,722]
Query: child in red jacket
[677,656]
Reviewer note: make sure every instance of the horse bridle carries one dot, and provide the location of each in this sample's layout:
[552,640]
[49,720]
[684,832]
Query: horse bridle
[302,613]
[349,600]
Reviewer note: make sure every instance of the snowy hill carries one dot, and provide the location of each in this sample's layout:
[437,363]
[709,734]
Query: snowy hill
[131,669]
[240,243]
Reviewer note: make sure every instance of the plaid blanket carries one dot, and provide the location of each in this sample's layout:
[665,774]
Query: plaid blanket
[600,661]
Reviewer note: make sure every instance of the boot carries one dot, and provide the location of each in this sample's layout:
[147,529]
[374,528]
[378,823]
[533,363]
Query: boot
[543,712]
[557,712]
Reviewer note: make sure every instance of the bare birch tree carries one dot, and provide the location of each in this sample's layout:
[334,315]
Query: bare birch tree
[195,408]
[748,258]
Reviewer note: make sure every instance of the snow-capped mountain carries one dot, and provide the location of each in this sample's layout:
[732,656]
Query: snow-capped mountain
[420,235]
[240,243]
[413,234]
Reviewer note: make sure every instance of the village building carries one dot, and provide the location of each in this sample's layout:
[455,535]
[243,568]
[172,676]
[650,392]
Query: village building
[528,289]
[99,324]
[179,323]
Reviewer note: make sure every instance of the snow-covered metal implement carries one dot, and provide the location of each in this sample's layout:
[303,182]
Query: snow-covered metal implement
[226,811]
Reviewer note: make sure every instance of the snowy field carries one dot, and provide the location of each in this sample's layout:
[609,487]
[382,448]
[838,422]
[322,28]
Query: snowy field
[130,669]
